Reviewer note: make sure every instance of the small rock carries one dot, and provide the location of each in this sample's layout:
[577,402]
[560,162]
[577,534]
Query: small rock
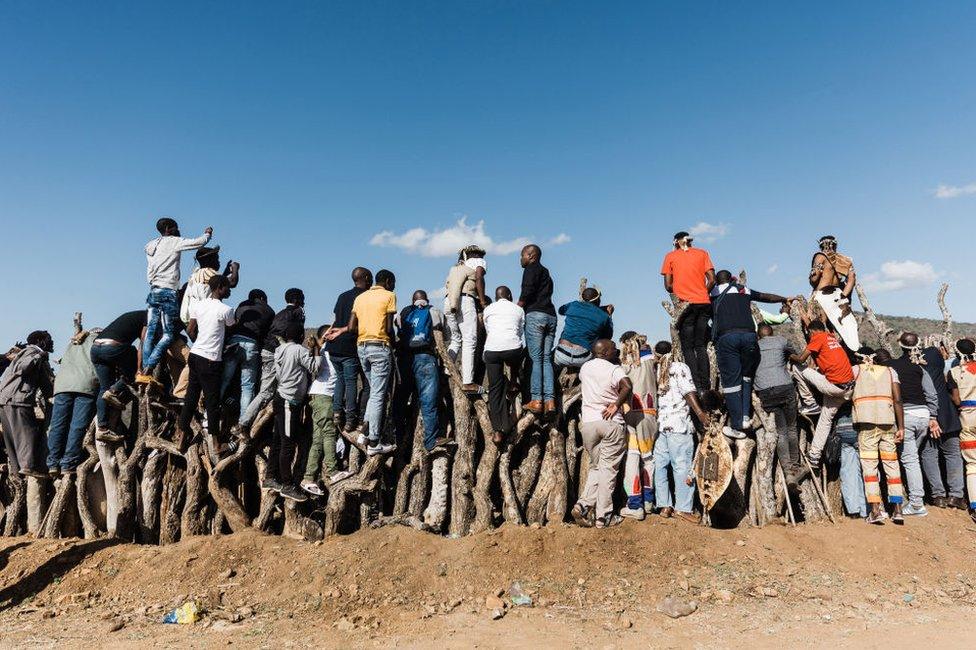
[497,614]
[345,625]
[48,613]
[228,574]
[441,569]
[724,595]
[740,542]
[625,623]
[676,608]
[494,602]
[115,625]
[908,598]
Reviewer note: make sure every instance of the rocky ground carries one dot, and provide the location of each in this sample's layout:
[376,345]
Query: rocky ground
[848,583]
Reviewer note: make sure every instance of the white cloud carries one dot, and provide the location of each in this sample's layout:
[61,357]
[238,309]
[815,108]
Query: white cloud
[709,232]
[896,275]
[437,293]
[448,241]
[772,269]
[944,191]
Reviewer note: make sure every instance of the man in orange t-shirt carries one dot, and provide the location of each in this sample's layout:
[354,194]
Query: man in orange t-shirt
[689,274]
[835,380]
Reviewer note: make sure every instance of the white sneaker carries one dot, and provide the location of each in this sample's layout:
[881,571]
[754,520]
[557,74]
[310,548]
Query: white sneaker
[312,488]
[733,433]
[361,439]
[380,449]
[914,511]
[633,513]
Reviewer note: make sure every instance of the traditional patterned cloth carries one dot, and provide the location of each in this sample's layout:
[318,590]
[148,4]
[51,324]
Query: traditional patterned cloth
[963,378]
[641,422]
[876,442]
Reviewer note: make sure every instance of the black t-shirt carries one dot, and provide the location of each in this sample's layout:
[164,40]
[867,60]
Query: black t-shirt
[537,289]
[909,380]
[253,320]
[127,328]
[344,345]
[279,326]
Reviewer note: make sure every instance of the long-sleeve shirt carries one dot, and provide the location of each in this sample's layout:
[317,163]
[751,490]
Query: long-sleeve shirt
[294,367]
[536,292]
[26,374]
[163,259]
[585,323]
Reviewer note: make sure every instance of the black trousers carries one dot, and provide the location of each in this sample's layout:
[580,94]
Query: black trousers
[694,333]
[499,409]
[205,377]
[289,429]
[781,403]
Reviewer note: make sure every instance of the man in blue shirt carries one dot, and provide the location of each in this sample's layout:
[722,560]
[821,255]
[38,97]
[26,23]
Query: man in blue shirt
[586,322]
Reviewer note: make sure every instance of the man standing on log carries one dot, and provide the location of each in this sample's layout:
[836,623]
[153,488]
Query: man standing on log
[27,375]
[540,329]
[605,390]
[294,312]
[419,372]
[253,322]
[465,286]
[75,387]
[835,380]
[163,256]
[116,360]
[689,275]
[504,347]
[372,320]
[833,279]
[345,359]
[736,346]
[777,394]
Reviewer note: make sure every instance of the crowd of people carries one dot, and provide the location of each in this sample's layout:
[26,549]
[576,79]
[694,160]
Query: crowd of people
[643,410]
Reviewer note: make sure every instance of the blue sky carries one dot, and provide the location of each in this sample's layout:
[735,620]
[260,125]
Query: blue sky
[301,131]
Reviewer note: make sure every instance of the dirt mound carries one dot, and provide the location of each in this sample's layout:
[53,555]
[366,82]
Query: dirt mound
[589,588]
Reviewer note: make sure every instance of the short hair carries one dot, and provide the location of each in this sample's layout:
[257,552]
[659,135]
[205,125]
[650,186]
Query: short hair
[294,295]
[165,224]
[503,292]
[882,356]
[322,329]
[218,282]
[765,329]
[422,293]
[590,294]
[362,273]
[257,294]
[966,346]
[534,248]
[723,276]
[294,332]
[905,337]
[817,325]
[383,276]
[663,347]
[37,337]
[711,400]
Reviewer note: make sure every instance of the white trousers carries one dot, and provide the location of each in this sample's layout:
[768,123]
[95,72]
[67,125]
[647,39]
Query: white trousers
[463,325]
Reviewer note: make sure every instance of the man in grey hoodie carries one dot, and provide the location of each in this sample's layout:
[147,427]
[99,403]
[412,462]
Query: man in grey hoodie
[28,373]
[163,256]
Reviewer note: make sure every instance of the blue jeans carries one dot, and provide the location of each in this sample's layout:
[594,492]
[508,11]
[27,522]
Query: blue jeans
[245,355]
[916,430]
[346,399]
[114,364]
[540,334]
[70,417]
[377,364]
[737,354]
[851,479]
[427,379]
[161,320]
[675,450]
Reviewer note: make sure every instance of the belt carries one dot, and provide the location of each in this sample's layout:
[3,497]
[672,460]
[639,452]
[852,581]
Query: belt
[376,343]
[107,342]
[845,386]
[572,355]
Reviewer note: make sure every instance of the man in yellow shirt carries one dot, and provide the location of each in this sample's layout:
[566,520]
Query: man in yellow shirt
[372,320]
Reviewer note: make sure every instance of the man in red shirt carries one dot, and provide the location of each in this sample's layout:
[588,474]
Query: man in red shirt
[689,274]
[835,379]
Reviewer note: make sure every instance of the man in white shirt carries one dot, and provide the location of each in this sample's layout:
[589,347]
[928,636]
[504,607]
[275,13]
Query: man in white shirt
[209,319]
[675,445]
[504,346]
[605,389]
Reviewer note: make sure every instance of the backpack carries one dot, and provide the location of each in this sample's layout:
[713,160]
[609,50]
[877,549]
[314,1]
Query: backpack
[420,328]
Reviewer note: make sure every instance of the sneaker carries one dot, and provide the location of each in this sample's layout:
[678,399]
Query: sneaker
[380,449]
[734,434]
[113,398]
[914,511]
[313,488]
[810,410]
[897,518]
[340,475]
[607,522]
[293,493]
[54,472]
[271,484]
[958,503]
[649,507]
[633,513]
[549,406]
[581,515]
[32,473]
[876,518]
[106,435]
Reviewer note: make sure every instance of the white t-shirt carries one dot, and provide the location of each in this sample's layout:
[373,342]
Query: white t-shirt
[600,379]
[213,317]
[324,382]
[474,263]
[505,326]
[673,412]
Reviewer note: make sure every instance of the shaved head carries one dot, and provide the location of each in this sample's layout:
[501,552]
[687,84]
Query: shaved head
[530,253]
[503,293]
[362,276]
[908,340]
[419,294]
[605,349]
